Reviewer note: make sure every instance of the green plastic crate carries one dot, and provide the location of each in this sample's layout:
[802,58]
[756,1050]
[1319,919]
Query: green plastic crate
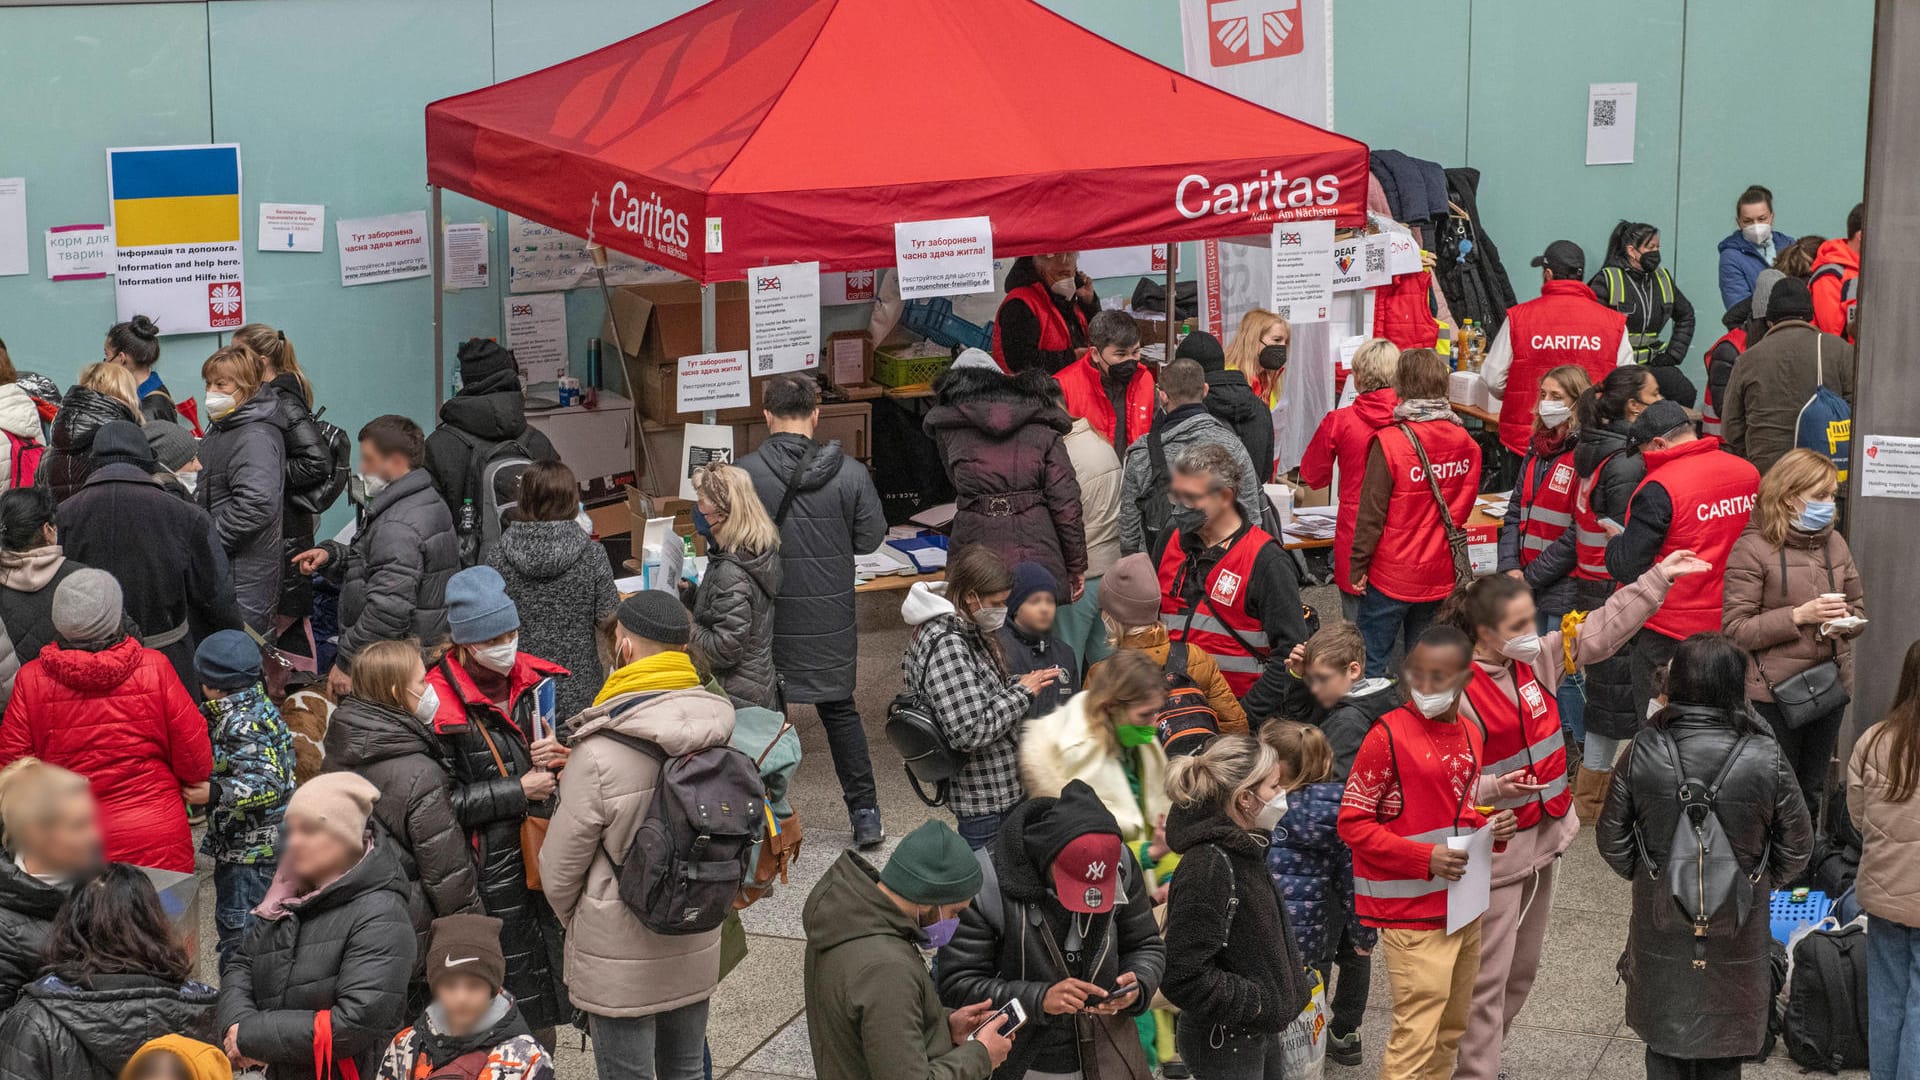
[909,365]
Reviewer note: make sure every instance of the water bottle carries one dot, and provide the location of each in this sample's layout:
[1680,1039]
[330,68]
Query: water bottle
[469,529]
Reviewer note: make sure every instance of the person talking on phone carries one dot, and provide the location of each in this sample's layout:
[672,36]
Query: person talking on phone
[872,1010]
[1511,693]
[502,774]
[1063,925]
[955,665]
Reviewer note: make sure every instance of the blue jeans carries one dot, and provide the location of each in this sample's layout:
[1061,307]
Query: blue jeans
[978,830]
[1601,752]
[1893,999]
[1385,622]
[1572,696]
[238,888]
[670,1045]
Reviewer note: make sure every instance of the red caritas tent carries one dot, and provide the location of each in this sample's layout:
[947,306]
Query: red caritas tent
[755,132]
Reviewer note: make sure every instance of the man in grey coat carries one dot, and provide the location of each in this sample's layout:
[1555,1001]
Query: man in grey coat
[394,573]
[1772,380]
[1183,422]
[827,511]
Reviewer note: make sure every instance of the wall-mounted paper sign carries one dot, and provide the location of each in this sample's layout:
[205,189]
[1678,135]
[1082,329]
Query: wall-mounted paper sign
[950,257]
[712,381]
[79,252]
[392,247]
[537,334]
[292,227]
[783,304]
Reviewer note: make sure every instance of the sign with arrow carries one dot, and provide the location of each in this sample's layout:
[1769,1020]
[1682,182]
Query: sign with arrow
[292,227]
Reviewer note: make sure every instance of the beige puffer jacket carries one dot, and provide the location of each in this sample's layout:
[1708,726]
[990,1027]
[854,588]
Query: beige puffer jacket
[615,966]
[1889,881]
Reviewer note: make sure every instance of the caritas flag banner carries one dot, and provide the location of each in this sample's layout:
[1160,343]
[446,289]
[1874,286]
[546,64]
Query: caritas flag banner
[1276,53]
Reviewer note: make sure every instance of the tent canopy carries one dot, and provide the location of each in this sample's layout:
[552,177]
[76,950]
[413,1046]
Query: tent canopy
[755,132]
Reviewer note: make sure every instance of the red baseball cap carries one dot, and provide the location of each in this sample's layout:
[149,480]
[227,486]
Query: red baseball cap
[1086,873]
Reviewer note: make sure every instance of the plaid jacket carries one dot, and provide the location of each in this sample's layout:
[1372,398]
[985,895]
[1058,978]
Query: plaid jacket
[252,777]
[978,706]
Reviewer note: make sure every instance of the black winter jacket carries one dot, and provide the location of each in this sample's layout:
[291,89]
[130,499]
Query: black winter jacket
[1256,981]
[1024,652]
[836,514]
[401,756]
[243,487]
[69,457]
[348,948]
[1232,401]
[309,464]
[27,905]
[393,577]
[26,612]
[488,411]
[1000,950]
[69,1032]
[733,625]
[1610,710]
[164,552]
[1719,1010]
[1347,723]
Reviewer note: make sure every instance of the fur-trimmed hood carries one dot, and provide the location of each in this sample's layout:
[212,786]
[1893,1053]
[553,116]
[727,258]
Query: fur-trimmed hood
[995,403]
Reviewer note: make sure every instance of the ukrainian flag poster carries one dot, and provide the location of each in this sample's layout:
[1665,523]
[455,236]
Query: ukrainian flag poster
[176,234]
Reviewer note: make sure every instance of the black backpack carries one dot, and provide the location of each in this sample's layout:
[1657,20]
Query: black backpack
[914,730]
[1704,878]
[1187,722]
[493,487]
[321,497]
[1827,1000]
[697,842]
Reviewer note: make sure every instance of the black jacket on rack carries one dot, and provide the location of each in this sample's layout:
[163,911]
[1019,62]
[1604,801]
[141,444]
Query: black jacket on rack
[1467,262]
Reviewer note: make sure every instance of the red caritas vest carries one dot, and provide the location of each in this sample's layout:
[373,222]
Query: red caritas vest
[1589,538]
[1713,495]
[1221,624]
[1402,313]
[1522,734]
[1709,407]
[1054,334]
[1424,796]
[1566,325]
[1412,562]
[1087,399]
[1547,496]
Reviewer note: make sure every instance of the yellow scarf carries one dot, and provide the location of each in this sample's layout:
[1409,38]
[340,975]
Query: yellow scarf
[671,670]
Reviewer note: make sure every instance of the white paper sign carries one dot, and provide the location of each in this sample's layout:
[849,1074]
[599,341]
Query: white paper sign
[1373,268]
[392,247]
[79,252]
[703,444]
[1125,262]
[1467,898]
[1349,264]
[1889,466]
[712,381]
[177,236]
[466,255]
[944,258]
[13,226]
[541,258]
[1610,122]
[1403,253]
[1303,271]
[537,334]
[292,227]
[783,304]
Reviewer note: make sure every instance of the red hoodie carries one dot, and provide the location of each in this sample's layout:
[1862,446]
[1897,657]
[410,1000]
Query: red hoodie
[1342,439]
[1833,294]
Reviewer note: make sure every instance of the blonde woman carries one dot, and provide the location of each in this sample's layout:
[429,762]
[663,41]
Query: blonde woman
[52,842]
[243,478]
[1106,736]
[733,606]
[1791,589]
[105,393]
[1233,968]
[1259,351]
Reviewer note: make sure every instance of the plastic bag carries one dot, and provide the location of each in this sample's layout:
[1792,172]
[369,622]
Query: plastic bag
[1303,1045]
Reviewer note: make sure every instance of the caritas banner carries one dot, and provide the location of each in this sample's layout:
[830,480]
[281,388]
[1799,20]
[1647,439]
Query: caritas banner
[1276,53]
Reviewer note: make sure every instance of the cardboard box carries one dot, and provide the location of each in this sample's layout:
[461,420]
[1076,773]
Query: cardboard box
[849,423]
[679,509]
[654,388]
[1306,496]
[659,324]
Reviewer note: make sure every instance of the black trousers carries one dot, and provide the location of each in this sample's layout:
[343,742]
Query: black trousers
[1651,651]
[1808,750]
[847,742]
[1662,1067]
[1350,987]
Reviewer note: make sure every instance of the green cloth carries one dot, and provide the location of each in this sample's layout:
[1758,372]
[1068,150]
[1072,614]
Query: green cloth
[933,866]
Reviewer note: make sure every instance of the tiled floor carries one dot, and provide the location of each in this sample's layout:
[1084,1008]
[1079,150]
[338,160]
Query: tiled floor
[1573,1027]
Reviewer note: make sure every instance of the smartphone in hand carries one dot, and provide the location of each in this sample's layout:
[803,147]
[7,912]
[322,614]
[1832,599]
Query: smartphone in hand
[1006,1020]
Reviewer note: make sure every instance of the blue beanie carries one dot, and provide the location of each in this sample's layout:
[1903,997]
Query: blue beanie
[1030,578]
[227,660]
[478,608]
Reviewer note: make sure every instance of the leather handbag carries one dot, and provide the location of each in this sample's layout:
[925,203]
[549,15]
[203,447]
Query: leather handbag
[533,830]
[1811,695]
[1456,536]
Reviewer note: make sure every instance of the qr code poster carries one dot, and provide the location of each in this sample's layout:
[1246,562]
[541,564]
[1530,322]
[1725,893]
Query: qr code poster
[702,445]
[1610,122]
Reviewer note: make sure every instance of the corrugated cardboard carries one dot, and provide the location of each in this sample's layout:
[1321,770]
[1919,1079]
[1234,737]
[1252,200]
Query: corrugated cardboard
[654,390]
[659,324]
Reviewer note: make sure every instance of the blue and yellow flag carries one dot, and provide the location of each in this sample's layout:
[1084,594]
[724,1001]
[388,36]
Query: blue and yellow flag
[184,195]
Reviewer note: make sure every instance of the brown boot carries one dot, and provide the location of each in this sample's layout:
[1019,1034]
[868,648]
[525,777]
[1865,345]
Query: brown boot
[1590,793]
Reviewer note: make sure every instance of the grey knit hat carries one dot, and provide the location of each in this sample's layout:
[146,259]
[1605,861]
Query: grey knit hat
[87,606]
[1763,290]
[478,607]
[655,616]
[172,444]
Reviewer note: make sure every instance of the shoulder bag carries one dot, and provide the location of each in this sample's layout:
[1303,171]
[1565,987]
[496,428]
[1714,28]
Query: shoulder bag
[1456,536]
[1817,692]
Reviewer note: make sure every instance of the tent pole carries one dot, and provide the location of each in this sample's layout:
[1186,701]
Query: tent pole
[1173,272]
[439,300]
[709,332]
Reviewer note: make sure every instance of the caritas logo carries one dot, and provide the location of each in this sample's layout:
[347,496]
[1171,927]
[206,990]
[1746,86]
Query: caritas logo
[1242,31]
[1271,196]
[224,307]
[656,224]
[1442,470]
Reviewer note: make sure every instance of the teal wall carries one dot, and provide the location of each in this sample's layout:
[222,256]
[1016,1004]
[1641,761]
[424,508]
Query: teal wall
[325,98]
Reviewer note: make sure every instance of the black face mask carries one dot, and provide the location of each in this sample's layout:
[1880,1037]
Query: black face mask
[1187,519]
[1650,260]
[1123,371]
[1273,357]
